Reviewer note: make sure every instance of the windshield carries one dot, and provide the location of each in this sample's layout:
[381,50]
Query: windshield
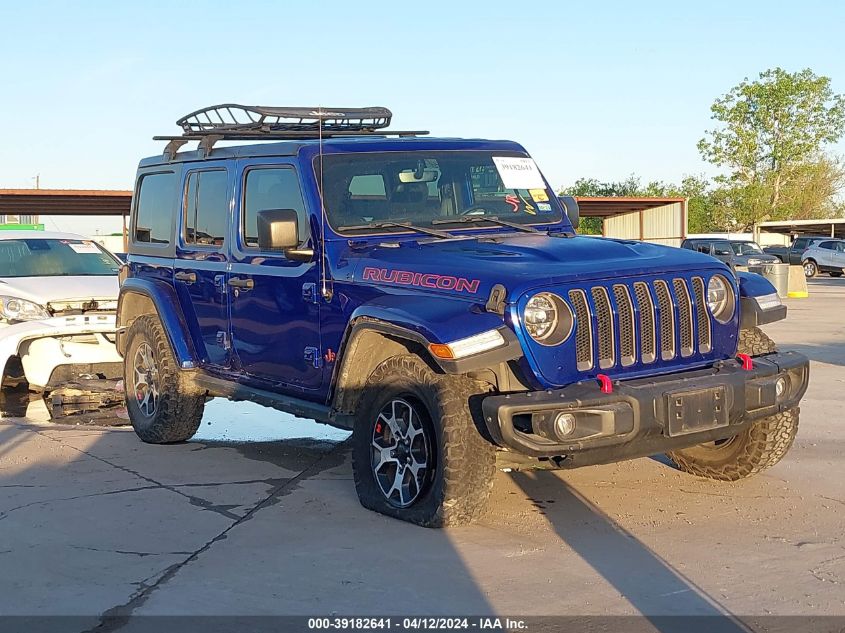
[720,249]
[425,188]
[746,248]
[54,258]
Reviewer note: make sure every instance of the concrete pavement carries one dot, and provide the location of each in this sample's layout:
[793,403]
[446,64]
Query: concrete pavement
[95,523]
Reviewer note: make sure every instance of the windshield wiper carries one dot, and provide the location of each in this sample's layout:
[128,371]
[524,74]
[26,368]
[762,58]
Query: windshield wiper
[472,219]
[401,225]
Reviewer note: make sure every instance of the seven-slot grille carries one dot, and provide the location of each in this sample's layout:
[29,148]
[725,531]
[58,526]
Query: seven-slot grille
[662,319]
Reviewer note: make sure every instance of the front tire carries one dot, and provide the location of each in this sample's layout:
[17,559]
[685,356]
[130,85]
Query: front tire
[162,406]
[757,448]
[811,269]
[417,454]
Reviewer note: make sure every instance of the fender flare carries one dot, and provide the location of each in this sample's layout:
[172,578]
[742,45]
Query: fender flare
[751,286]
[393,339]
[159,298]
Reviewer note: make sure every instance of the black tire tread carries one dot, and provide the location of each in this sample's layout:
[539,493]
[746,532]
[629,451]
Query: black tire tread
[468,460]
[180,406]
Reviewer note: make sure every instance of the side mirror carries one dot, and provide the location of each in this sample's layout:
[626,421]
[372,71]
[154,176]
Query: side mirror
[278,230]
[572,211]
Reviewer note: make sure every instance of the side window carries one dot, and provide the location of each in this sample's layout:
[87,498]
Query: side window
[153,213]
[829,246]
[800,243]
[703,248]
[271,188]
[206,208]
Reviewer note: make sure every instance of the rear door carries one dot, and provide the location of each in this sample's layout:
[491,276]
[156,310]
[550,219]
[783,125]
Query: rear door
[837,257]
[275,305]
[201,259]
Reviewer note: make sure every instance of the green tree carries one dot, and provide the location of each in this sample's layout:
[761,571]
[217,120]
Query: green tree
[772,134]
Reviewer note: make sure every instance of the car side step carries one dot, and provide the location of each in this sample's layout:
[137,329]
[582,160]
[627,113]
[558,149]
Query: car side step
[235,391]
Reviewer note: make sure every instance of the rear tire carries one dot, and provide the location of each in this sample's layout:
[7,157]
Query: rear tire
[162,405]
[835,273]
[13,375]
[811,269]
[460,463]
[759,447]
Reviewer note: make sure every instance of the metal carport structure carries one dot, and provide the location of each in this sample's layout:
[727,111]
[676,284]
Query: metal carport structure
[662,220]
[67,202]
[834,227]
[652,219]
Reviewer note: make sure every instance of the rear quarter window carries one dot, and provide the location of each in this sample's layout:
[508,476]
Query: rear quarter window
[154,208]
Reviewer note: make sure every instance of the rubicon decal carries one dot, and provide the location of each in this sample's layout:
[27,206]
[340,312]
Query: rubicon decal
[423,280]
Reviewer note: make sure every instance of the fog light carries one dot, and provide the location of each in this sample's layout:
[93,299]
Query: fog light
[780,387]
[564,425]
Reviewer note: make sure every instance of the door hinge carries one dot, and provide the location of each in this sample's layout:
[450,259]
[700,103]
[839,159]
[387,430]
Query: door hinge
[312,356]
[223,339]
[309,293]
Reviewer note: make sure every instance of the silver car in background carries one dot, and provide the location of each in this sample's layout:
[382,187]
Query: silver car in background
[827,256]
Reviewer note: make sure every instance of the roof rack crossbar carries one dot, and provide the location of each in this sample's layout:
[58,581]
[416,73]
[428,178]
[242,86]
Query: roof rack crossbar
[233,116]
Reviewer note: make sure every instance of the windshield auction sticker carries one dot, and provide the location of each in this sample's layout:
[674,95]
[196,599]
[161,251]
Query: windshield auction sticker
[84,247]
[518,173]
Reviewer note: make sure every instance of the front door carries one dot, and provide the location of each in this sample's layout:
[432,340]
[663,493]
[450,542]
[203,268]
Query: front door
[274,301]
[199,272]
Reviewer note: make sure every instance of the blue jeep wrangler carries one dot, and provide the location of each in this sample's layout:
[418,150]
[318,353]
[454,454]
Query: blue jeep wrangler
[430,294]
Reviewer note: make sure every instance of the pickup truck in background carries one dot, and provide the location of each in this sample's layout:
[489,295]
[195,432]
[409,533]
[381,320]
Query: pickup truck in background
[793,254]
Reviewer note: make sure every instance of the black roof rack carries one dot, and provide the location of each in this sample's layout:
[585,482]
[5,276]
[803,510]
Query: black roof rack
[234,122]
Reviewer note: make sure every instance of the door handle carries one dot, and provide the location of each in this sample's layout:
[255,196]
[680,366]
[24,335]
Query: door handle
[188,278]
[244,284]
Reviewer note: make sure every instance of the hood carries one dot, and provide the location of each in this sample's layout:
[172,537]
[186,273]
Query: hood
[471,267]
[763,257]
[43,290]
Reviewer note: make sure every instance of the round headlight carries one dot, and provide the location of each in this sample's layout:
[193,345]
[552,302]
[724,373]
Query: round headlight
[540,316]
[548,320]
[720,299]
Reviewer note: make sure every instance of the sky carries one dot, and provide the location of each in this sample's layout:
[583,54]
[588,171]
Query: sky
[591,89]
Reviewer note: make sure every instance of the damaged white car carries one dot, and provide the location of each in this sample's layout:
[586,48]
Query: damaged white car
[58,297]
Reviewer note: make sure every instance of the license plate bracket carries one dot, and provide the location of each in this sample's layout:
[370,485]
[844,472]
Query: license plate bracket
[696,410]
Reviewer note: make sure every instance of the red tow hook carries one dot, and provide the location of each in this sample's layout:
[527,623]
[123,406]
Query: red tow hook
[747,363]
[604,383]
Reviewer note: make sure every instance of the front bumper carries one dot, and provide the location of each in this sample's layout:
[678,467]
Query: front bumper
[646,416]
[43,346]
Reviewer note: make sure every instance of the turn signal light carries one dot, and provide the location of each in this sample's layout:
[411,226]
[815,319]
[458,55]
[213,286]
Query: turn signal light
[441,350]
[468,346]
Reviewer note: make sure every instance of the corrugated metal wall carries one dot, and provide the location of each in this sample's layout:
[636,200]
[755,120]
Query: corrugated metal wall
[665,224]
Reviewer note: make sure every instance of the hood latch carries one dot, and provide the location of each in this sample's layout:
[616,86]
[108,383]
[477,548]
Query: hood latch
[496,300]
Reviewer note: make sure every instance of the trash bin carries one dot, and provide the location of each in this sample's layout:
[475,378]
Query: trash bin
[777,274]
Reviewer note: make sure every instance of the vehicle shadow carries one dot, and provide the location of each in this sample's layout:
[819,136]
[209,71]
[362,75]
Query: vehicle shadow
[830,352]
[668,600]
[100,526]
